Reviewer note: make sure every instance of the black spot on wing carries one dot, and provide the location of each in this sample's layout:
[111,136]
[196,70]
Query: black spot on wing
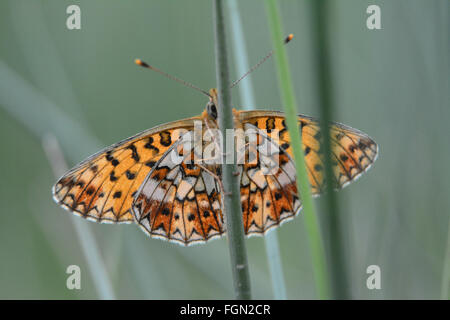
[165,211]
[165,138]
[112,176]
[108,156]
[134,153]
[149,145]
[117,194]
[285,145]
[150,164]
[270,124]
[307,150]
[130,175]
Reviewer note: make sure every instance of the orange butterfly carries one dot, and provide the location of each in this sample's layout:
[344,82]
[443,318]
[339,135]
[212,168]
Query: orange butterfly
[137,179]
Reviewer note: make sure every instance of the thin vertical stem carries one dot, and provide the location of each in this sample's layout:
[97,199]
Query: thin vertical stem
[289,103]
[248,99]
[231,194]
[332,220]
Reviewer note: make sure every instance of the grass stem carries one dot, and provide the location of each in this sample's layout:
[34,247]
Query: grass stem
[231,195]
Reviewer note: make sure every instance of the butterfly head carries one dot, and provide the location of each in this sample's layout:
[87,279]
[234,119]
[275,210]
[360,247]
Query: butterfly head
[211,107]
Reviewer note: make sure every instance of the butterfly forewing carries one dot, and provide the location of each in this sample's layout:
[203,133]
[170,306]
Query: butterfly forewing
[353,152]
[102,187]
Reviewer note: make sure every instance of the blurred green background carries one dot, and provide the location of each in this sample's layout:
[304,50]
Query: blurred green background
[83,87]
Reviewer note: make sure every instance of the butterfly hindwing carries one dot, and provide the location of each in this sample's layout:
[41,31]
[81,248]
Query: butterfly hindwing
[180,199]
[267,183]
[102,187]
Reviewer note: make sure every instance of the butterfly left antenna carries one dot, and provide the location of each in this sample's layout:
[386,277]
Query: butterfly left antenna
[143,64]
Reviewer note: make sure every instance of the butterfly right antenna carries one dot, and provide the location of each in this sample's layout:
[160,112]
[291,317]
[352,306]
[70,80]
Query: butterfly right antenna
[288,38]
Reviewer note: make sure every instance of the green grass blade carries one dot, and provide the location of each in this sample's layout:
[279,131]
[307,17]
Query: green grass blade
[289,103]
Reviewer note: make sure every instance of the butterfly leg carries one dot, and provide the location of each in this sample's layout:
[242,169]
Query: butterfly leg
[215,176]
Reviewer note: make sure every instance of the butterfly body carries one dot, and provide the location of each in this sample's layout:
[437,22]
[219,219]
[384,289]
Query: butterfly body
[168,179]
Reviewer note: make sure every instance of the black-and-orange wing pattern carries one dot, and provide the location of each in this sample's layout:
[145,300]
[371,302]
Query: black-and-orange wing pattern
[180,199]
[268,186]
[353,151]
[159,179]
[102,187]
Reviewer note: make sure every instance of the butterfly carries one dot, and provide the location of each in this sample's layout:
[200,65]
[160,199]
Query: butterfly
[140,179]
